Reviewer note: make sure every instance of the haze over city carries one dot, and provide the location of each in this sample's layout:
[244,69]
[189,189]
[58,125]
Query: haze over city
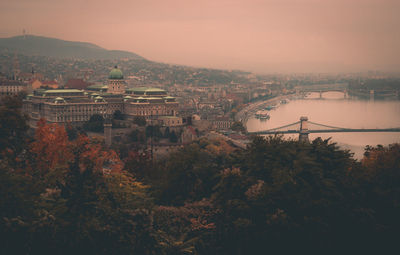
[209,127]
[259,36]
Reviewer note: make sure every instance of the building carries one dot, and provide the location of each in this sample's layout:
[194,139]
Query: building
[170,121]
[116,82]
[222,123]
[63,105]
[76,84]
[149,102]
[77,106]
[12,87]
[37,84]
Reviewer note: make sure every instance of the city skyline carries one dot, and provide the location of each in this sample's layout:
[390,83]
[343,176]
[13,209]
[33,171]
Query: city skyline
[259,36]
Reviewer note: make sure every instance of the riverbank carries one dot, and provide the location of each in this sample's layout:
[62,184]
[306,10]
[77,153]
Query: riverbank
[350,114]
[244,114]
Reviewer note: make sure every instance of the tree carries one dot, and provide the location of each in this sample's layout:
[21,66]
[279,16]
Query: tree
[378,189]
[89,203]
[95,123]
[173,138]
[189,174]
[280,191]
[153,131]
[187,229]
[166,132]
[134,135]
[49,149]
[140,121]
[13,127]
[72,132]
[118,115]
[238,126]
[189,121]
[138,164]
[18,208]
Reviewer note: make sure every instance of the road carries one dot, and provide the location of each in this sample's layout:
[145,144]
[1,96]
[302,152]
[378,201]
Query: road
[249,110]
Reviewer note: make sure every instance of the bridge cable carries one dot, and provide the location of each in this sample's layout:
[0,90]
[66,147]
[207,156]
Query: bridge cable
[276,129]
[322,125]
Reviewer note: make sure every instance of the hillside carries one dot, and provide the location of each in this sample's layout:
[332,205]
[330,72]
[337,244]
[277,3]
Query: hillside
[51,47]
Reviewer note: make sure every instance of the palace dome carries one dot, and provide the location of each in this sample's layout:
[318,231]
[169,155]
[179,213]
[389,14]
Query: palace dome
[116,74]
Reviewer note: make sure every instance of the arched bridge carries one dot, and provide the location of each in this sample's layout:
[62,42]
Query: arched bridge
[322,88]
[305,127]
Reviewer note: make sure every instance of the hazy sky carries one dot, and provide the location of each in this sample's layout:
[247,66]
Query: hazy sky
[258,35]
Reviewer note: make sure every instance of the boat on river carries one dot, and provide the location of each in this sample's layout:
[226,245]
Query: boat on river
[262,115]
[270,107]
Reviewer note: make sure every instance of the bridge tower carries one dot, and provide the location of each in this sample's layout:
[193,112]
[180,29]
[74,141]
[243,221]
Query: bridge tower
[303,134]
[371,95]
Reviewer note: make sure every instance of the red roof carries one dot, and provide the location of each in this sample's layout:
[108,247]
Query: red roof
[49,82]
[76,84]
[33,80]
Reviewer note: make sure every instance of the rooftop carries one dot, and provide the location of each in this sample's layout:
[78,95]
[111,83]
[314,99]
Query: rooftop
[146,89]
[49,91]
[76,84]
[97,87]
[116,74]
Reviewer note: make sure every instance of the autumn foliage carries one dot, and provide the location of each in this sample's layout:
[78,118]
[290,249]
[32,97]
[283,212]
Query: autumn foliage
[51,149]
[75,196]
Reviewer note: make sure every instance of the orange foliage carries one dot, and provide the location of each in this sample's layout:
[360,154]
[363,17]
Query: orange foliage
[50,146]
[96,156]
[52,149]
[218,146]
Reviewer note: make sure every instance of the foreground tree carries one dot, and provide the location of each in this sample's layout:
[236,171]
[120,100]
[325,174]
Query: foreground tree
[66,196]
[13,127]
[314,197]
[87,203]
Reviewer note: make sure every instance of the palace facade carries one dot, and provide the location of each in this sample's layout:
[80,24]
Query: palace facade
[77,106]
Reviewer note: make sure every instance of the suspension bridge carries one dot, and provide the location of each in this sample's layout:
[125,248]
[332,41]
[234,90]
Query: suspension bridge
[305,127]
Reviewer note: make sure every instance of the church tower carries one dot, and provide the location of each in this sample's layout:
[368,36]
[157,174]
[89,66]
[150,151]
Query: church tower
[116,83]
[16,70]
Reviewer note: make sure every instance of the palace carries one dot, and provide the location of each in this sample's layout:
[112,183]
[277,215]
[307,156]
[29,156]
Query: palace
[77,106]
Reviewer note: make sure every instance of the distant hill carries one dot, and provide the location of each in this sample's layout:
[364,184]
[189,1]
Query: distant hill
[51,47]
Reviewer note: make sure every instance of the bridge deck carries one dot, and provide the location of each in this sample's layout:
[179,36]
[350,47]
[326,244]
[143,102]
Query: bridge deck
[359,130]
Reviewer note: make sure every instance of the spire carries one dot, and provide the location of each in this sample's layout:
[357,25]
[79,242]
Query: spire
[16,70]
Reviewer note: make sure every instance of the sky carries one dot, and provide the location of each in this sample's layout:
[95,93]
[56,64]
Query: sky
[263,36]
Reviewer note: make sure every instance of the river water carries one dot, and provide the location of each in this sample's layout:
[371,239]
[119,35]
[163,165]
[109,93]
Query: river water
[333,110]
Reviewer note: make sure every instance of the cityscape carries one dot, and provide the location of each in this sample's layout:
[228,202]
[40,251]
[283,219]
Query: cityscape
[196,148]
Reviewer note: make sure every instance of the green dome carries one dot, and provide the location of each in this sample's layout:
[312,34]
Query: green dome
[116,74]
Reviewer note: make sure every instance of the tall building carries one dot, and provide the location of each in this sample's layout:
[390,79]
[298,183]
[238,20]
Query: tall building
[16,70]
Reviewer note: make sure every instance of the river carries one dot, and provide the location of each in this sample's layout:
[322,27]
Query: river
[333,110]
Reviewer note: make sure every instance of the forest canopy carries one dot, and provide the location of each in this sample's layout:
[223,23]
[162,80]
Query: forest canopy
[66,195]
